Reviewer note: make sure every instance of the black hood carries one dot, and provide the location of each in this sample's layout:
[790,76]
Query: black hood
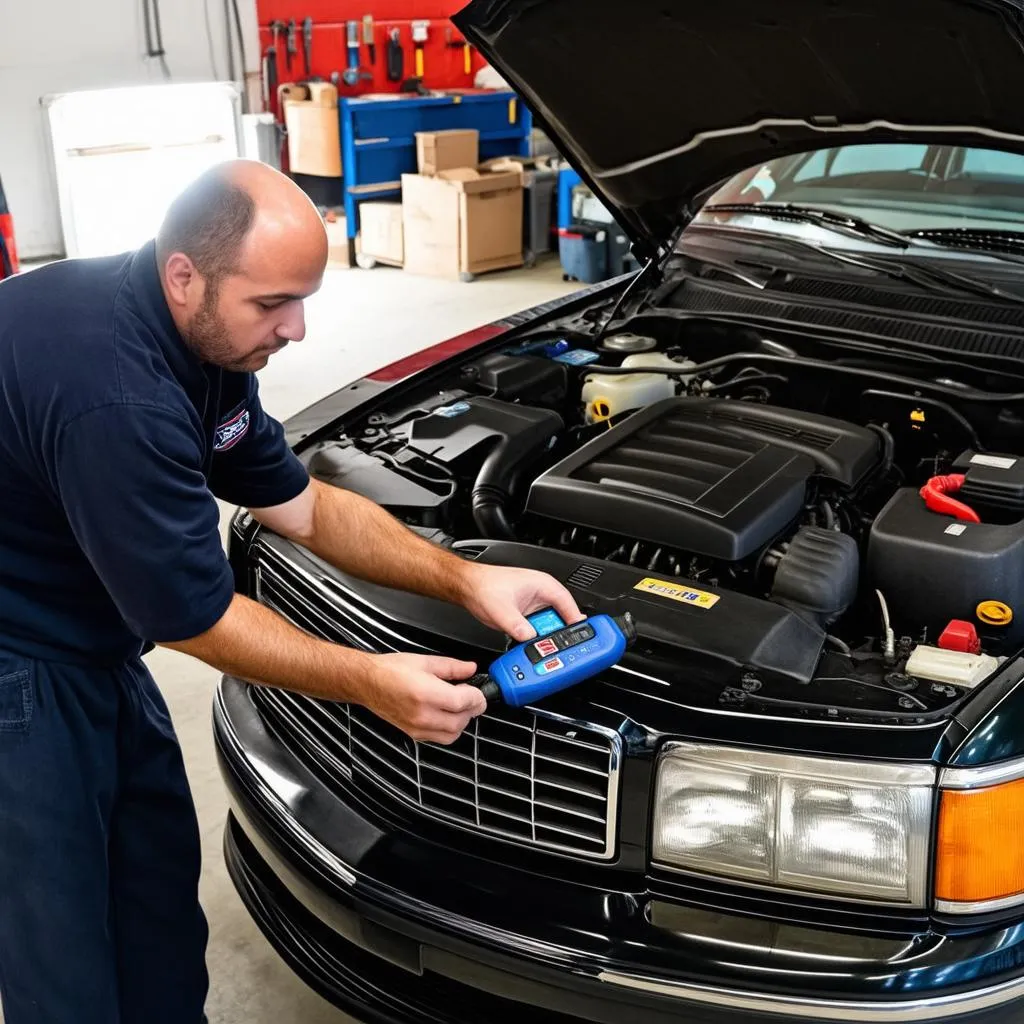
[656,101]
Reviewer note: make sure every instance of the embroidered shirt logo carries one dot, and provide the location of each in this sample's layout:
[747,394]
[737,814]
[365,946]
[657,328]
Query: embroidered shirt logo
[229,433]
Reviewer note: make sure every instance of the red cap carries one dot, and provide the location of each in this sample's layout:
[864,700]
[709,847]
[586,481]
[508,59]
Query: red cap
[960,636]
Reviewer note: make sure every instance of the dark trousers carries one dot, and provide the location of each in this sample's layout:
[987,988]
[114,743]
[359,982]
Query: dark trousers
[100,920]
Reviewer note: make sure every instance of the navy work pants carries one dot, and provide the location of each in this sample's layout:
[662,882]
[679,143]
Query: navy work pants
[100,920]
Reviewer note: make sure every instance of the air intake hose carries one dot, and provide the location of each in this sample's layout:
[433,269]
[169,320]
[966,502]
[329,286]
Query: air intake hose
[489,513]
[503,434]
[525,433]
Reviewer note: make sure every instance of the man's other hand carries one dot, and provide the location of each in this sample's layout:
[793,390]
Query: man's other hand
[502,597]
[416,693]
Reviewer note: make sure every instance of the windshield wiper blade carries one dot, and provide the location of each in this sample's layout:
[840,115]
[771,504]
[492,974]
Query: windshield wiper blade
[843,223]
[928,276]
[931,277]
[999,244]
[727,268]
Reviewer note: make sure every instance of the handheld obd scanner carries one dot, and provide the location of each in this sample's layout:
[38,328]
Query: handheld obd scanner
[558,657]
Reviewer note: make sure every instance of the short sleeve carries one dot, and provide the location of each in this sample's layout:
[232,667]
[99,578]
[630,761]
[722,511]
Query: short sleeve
[253,465]
[130,479]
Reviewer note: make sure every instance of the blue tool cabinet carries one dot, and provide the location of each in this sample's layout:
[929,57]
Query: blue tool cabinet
[378,137]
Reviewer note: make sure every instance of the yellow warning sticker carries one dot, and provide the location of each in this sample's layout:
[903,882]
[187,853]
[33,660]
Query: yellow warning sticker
[674,592]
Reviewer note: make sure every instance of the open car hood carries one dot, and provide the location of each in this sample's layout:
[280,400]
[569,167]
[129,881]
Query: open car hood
[656,101]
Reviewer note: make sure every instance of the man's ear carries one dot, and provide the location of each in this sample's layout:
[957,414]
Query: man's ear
[181,278]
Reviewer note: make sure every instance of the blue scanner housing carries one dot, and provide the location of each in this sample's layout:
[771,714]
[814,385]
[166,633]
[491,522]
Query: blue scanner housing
[558,658]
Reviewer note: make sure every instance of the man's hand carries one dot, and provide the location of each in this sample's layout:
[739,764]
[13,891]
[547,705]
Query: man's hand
[411,692]
[502,597]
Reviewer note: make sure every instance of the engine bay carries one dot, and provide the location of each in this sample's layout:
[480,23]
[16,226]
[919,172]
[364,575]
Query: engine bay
[798,513]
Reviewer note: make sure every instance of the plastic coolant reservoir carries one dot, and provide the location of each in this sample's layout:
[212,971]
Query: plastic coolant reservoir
[956,667]
[605,395]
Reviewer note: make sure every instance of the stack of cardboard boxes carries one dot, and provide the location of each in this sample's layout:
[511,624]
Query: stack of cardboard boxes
[456,219]
[311,121]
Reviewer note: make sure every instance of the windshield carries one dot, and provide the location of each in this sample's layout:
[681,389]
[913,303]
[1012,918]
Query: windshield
[902,187]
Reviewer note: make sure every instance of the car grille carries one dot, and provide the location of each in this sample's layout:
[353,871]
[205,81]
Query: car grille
[530,777]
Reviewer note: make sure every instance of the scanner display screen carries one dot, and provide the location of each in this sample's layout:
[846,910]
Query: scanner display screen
[547,646]
[546,621]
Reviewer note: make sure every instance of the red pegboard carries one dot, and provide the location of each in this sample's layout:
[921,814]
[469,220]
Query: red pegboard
[444,65]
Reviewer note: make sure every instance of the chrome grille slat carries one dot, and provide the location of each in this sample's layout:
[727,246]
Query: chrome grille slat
[500,743]
[573,742]
[524,776]
[570,811]
[569,764]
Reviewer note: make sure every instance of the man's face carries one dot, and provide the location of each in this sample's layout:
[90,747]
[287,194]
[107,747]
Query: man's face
[242,320]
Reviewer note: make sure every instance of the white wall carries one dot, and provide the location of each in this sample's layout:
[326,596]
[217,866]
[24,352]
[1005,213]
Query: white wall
[51,46]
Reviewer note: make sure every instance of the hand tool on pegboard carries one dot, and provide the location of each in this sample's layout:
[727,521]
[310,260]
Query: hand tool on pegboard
[276,28]
[459,44]
[291,48]
[420,31]
[395,56]
[269,76]
[368,37]
[307,45]
[353,74]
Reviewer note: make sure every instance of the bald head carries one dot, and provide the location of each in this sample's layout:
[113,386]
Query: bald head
[239,251]
[236,209]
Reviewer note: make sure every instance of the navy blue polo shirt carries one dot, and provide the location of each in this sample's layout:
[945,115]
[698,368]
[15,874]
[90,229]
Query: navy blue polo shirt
[115,441]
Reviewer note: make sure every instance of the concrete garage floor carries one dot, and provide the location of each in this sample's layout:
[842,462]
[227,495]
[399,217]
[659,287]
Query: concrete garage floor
[358,322]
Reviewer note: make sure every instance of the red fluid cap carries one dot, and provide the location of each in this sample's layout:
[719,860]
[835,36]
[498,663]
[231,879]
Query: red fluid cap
[936,494]
[960,636]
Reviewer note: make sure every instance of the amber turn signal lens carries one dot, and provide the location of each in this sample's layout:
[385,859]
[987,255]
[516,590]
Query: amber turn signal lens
[980,856]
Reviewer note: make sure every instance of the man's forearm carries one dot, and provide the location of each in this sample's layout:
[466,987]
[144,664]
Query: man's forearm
[364,540]
[257,645]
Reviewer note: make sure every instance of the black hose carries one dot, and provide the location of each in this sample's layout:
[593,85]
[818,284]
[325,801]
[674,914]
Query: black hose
[494,483]
[489,513]
[147,17]
[154,33]
[888,449]
[231,44]
[241,50]
[241,37]
[740,379]
[1009,398]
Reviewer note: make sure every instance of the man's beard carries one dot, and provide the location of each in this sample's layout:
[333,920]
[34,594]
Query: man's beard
[207,335]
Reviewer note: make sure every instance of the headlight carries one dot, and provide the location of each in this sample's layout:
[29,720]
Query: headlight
[797,823]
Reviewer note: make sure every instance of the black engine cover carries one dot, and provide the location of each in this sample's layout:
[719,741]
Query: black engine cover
[714,477]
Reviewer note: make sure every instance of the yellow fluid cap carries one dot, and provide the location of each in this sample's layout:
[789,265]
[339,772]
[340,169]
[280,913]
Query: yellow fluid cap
[600,408]
[995,613]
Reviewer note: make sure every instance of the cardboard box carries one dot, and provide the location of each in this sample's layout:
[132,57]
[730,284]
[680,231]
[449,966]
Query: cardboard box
[314,132]
[381,234]
[337,240]
[462,222]
[291,91]
[446,151]
[323,94]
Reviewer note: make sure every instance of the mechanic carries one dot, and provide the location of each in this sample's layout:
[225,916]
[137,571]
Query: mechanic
[128,406]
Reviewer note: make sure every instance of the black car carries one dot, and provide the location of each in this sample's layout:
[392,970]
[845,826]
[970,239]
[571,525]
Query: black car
[792,447]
